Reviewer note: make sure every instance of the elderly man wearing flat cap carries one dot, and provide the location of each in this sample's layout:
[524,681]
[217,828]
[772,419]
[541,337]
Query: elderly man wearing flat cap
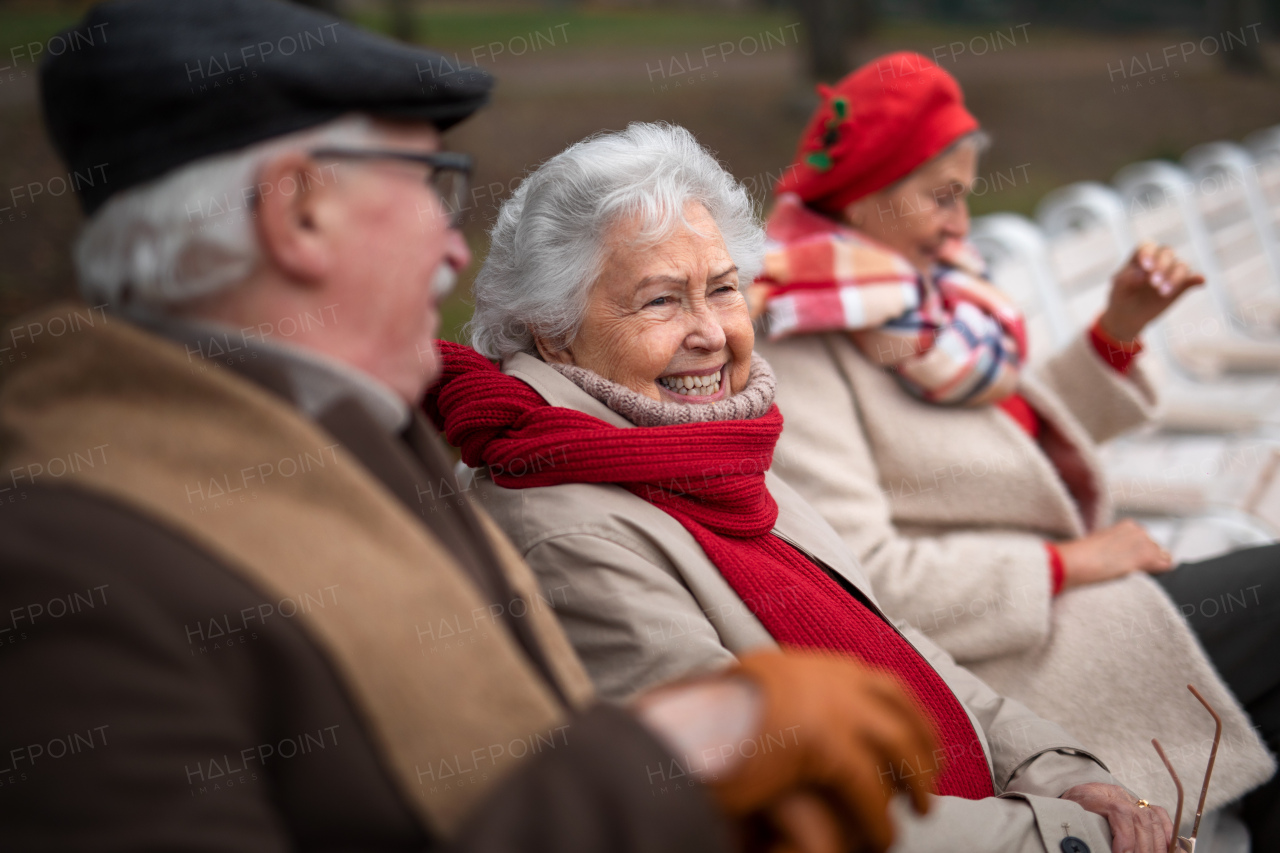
[243,604]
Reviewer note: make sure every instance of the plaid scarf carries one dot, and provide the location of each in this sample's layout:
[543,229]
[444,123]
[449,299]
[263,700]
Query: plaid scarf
[953,341]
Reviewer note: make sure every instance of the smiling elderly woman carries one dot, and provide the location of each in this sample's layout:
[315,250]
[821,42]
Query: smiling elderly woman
[624,445]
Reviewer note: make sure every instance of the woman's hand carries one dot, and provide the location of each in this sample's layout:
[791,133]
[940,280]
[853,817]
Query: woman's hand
[1149,283]
[1111,553]
[1134,828]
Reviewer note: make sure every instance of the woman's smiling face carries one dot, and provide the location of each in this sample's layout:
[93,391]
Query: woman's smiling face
[666,321]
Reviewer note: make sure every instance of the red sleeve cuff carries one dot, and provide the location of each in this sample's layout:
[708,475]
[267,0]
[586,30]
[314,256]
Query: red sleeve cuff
[1057,573]
[1118,354]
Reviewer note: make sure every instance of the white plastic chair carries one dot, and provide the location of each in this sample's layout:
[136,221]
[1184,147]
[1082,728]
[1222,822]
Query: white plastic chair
[1149,475]
[1015,252]
[1089,235]
[1240,231]
[1203,329]
[1264,146]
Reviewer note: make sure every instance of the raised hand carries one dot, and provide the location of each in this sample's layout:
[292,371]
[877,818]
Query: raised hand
[1152,280]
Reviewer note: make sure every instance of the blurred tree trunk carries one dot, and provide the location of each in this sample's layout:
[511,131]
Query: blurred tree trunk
[825,37]
[1239,17]
[401,19]
[332,7]
[829,26]
[862,18]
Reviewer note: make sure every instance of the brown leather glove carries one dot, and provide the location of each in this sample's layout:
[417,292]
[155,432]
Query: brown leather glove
[831,734]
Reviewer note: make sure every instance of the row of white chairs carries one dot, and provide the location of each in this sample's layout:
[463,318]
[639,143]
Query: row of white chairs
[1203,477]
[1206,477]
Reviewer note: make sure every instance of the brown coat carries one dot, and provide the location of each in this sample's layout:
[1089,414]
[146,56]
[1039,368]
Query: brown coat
[167,467]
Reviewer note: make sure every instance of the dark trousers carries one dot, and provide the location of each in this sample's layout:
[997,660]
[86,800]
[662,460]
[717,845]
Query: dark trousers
[1233,605]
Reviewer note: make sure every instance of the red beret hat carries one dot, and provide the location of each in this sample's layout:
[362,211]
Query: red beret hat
[874,128]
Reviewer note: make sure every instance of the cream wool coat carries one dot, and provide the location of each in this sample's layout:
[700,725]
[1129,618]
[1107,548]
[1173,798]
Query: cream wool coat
[948,509]
[642,604]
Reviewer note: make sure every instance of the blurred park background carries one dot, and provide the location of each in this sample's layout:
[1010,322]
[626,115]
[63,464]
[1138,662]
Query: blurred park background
[1069,90]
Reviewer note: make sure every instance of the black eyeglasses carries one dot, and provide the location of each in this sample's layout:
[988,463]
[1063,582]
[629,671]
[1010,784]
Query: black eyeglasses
[449,175]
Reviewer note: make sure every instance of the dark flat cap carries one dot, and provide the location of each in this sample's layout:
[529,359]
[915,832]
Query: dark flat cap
[144,86]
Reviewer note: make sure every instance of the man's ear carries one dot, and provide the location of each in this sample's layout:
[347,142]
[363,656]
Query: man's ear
[293,198]
[551,354]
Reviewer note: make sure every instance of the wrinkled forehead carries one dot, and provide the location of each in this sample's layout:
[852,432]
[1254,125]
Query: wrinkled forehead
[690,245]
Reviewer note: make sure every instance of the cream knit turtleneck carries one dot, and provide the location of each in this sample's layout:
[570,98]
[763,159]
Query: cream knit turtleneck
[751,402]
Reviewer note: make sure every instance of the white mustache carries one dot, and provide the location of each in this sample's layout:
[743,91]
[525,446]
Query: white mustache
[444,281]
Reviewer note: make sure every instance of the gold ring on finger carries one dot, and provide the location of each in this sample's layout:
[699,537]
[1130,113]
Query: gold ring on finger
[1143,804]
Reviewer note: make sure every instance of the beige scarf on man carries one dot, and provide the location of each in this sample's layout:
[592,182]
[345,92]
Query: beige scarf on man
[163,427]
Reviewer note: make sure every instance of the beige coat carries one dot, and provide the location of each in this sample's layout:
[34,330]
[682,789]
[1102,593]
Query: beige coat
[642,604]
[948,509]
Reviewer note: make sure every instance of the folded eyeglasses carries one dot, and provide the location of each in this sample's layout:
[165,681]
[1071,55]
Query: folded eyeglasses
[1179,843]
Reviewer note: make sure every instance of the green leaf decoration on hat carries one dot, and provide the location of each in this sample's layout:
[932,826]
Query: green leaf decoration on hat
[822,160]
[819,160]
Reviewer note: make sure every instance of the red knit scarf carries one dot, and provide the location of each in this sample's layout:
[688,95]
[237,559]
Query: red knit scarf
[709,477]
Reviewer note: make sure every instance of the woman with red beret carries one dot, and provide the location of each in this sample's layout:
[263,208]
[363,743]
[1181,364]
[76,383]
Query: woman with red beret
[969,488]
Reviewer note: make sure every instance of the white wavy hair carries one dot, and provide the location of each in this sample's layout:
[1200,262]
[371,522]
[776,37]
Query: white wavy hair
[547,245]
[189,233]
